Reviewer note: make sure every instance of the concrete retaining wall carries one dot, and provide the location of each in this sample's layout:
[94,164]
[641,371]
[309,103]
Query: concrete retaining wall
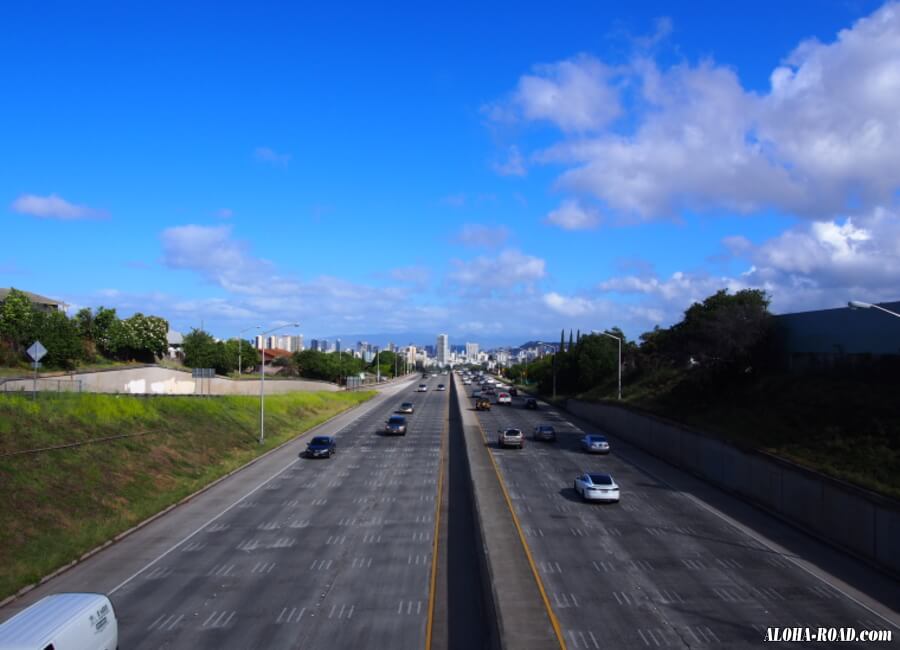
[865,523]
[156,380]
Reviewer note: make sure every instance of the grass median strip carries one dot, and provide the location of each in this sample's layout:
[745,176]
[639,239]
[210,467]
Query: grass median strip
[60,503]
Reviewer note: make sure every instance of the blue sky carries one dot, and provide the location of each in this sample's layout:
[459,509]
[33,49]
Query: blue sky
[495,173]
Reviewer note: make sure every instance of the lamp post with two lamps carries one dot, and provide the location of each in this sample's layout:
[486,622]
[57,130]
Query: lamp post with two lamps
[858,304]
[241,343]
[619,339]
[262,385]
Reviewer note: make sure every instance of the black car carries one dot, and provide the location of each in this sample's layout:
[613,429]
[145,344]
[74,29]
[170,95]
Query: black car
[395,425]
[531,403]
[513,391]
[321,447]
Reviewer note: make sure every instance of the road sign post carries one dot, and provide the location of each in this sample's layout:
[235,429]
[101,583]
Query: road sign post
[36,352]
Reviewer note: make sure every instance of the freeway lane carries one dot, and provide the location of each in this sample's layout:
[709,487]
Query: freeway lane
[329,553]
[656,570]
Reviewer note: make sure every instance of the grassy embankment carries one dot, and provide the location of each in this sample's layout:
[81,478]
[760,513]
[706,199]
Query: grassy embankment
[58,504]
[843,424]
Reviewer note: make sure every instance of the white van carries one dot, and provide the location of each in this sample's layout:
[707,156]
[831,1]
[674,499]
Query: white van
[63,622]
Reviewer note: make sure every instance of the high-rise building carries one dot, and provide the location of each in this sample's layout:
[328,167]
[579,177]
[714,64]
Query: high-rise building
[471,351]
[442,349]
[260,342]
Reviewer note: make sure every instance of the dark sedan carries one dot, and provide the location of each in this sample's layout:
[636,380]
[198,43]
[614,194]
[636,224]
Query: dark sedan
[531,403]
[321,447]
[395,426]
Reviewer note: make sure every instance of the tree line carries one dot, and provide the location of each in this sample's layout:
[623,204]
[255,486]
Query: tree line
[722,338]
[201,350]
[88,337]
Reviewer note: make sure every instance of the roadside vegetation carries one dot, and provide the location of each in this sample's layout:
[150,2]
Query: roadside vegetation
[59,504]
[723,370]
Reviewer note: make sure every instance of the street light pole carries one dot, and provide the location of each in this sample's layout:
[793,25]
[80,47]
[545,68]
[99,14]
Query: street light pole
[262,386]
[858,304]
[619,339]
[241,344]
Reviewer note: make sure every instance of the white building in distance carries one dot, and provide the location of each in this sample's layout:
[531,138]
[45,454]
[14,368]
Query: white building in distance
[442,350]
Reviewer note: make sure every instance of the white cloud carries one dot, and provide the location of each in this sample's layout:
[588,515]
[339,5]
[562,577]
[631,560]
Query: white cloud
[816,265]
[576,95]
[54,207]
[571,215]
[268,155]
[514,164]
[479,235]
[822,139]
[567,306]
[509,268]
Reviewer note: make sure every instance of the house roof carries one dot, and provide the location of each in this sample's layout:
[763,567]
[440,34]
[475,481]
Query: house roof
[275,353]
[33,297]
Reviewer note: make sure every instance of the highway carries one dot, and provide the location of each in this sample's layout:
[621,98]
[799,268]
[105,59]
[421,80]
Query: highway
[291,552]
[657,569]
[318,553]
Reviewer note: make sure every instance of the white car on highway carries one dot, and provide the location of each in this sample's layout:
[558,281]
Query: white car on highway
[504,398]
[423,388]
[597,487]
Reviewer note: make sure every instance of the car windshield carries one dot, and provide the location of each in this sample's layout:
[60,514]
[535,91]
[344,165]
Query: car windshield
[601,479]
[406,405]
[513,432]
[320,441]
[596,439]
[545,428]
[397,420]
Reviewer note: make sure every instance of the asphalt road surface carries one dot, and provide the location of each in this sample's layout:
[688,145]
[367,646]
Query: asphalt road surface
[311,553]
[657,569]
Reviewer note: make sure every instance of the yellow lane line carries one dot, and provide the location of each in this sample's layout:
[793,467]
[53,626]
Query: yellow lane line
[537,577]
[437,527]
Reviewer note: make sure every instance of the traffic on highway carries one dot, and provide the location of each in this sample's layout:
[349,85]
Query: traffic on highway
[335,540]
[627,560]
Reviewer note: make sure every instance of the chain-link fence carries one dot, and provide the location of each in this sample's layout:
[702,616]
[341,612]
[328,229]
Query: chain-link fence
[42,385]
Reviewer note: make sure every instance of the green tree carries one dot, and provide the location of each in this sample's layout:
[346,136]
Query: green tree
[200,349]
[141,338]
[60,336]
[249,354]
[17,317]
[107,331]
[723,330]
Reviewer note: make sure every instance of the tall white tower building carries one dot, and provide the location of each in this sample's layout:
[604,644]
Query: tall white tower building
[442,349]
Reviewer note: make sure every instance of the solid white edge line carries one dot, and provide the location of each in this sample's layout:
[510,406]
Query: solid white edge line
[749,532]
[274,476]
[182,541]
